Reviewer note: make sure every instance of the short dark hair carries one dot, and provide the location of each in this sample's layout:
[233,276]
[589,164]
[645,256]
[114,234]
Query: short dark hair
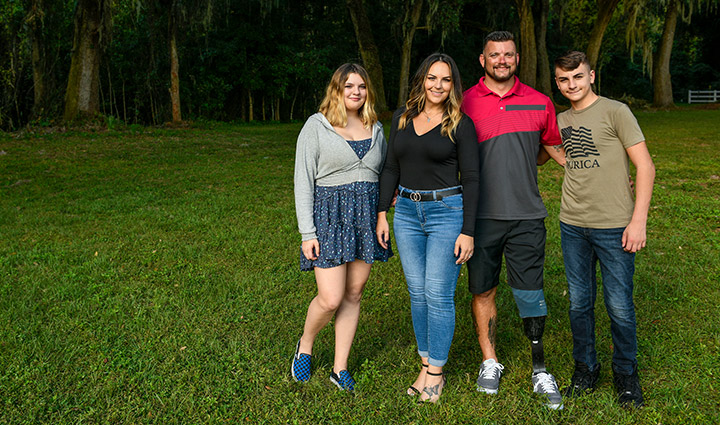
[498,36]
[571,60]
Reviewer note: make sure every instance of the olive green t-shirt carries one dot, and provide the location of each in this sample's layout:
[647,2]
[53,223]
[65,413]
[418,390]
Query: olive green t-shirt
[596,191]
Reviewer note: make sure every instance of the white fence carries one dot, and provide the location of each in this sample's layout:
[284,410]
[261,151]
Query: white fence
[703,96]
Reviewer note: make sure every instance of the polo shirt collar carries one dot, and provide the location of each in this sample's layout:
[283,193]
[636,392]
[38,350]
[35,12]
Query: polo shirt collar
[515,90]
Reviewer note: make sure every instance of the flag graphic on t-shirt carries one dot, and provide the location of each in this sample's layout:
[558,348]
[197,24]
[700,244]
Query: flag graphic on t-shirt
[578,142]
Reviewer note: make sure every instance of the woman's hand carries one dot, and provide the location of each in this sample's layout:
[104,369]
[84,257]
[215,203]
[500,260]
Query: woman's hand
[464,248]
[311,249]
[382,229]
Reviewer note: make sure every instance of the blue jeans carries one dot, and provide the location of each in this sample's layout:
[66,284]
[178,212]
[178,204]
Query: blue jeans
[582,248]
[425,234]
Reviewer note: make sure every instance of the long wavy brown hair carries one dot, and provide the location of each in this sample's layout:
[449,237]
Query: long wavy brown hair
[333,105]
[416,102]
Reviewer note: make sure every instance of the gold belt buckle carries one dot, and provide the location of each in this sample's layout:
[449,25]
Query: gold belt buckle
[415,197]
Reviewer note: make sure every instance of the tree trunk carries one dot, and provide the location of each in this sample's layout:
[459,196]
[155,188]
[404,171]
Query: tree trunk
[153,107]
[410,23]
[36,21]
[124,104]
[528,52]
[662,86]
[250,106]
[368,50]
[102,101]
[606,8]
[111,94]
[174,68]
[82,94]
[544,83]
[243,105]
[292,105]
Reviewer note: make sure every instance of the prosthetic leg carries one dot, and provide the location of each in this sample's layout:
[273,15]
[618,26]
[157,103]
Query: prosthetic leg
[534,329]
[543,382]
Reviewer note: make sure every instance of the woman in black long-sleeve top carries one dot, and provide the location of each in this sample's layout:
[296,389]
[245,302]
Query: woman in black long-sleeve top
[432,161]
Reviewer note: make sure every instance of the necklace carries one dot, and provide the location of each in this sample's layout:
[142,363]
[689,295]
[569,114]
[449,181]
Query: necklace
[429,118]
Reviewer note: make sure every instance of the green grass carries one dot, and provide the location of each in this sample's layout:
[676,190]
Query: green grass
[151,276]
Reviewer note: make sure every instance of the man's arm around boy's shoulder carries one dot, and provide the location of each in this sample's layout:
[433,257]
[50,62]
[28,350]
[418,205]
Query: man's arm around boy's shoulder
[556,152]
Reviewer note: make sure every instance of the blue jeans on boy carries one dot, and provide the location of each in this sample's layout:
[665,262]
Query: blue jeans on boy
[425,234]
[582,248]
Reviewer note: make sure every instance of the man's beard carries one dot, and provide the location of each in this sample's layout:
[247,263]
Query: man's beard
[508,76]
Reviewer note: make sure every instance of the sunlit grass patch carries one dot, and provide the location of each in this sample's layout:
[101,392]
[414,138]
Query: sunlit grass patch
[151,276]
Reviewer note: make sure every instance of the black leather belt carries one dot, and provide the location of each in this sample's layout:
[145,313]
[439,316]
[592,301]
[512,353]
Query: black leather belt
[435,195]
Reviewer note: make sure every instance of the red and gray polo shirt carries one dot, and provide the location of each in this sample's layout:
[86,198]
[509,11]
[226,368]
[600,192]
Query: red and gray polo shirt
[510,130]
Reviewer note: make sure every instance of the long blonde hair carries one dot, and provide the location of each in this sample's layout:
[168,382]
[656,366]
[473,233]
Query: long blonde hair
[416,102]
[333,105]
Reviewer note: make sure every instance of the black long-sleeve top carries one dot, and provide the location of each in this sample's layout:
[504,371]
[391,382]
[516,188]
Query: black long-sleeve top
[432,162]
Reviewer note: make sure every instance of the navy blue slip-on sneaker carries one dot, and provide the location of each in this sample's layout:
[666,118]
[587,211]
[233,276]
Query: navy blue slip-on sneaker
[343,380]
[301,365]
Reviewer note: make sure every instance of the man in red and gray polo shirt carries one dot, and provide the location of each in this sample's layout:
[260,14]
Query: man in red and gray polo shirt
[513,122]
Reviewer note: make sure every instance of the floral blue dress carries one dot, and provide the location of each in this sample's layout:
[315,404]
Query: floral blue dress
[345,218]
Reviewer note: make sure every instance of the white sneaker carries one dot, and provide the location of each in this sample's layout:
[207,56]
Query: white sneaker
[544,384]
[489,377]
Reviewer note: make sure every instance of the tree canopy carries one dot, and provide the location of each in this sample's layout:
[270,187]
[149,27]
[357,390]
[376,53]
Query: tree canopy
[154,61]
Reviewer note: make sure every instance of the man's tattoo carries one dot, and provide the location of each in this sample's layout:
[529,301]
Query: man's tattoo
[557,148]
[476,325]
[492,330]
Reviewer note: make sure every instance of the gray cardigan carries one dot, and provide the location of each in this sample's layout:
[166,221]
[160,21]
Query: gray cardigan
[324,158]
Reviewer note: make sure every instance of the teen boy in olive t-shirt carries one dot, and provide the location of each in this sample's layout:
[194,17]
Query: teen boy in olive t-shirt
[600,221]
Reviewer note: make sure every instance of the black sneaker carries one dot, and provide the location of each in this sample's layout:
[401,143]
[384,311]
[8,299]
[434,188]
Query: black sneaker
[628,389]
[583,380]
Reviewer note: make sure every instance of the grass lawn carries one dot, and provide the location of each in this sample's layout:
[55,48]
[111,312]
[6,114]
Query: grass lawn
[151,276]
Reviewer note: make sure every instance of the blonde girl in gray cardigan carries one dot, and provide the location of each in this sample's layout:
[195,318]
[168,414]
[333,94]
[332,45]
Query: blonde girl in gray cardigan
[340,153]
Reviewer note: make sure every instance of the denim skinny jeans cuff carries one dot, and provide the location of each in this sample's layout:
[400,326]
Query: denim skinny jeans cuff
[432,361]
[436,363]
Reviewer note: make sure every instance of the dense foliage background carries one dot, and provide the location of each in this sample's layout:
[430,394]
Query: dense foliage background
[270,59]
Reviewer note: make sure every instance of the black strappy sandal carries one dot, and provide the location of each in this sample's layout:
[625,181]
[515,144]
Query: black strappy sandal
[412,391]
[434,392]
